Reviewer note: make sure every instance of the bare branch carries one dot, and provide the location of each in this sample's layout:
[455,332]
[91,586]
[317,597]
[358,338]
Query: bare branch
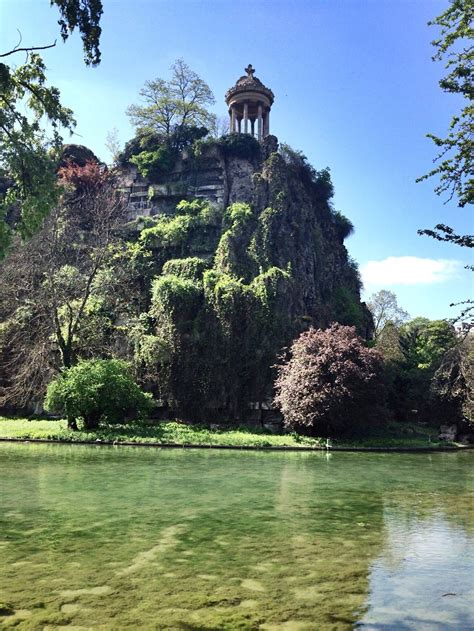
[28,49]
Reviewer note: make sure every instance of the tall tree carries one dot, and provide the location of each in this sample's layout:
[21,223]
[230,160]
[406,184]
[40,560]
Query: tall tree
[28,156]
[174,104]
[385,309]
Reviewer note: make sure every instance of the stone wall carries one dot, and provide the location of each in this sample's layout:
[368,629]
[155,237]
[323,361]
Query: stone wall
[209,176]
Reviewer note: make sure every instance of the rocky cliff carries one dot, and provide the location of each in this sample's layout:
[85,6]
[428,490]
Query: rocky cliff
[294,226]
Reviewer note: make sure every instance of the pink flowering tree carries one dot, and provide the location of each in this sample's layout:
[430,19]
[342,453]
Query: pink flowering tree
[330,382]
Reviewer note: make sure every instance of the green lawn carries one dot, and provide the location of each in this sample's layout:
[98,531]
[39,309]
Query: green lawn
[181,434]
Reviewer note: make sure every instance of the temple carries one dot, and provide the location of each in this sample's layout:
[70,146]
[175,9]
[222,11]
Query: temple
[249,102]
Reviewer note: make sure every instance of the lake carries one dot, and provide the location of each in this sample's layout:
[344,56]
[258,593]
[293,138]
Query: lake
[128,538]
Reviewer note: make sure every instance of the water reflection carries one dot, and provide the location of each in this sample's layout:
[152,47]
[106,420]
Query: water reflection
[424,577]
[103,538]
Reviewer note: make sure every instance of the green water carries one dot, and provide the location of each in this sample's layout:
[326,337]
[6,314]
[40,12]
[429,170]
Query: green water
[130,538]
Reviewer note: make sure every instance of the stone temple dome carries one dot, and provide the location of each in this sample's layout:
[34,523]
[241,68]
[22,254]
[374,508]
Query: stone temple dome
[249,102]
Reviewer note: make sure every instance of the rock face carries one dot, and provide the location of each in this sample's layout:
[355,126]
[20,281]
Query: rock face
[295,227]
[211,176]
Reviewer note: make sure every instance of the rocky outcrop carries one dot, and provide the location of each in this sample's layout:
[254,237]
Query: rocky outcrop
[77,154]
[295,227]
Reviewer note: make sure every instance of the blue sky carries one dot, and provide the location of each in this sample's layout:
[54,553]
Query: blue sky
[355,90]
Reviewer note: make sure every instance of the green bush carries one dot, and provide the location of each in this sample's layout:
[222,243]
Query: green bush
[168,231]
[152,164]
[240,146]
[97,390]
[191,268]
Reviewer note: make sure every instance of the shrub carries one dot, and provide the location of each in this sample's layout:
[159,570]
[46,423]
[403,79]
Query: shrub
[175,294]
[152,164]
[327,386]
[96,390]
[297,163]
[168,231]
[344,226]
[191,268]
[240,146]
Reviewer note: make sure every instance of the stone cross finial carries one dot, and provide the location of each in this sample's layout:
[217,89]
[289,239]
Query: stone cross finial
[250,71]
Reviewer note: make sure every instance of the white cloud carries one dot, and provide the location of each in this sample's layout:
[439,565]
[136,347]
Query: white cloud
[408,270]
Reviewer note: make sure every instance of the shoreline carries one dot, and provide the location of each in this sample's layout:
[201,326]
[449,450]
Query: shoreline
[115,443]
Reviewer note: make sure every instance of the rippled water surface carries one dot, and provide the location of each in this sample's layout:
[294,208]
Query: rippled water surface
[130,538]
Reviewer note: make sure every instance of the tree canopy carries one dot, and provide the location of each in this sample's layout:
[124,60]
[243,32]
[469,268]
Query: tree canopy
[327,384]
[171,105]
[28,155]
[384,308]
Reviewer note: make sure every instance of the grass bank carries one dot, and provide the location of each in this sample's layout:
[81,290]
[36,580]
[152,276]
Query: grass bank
[174,433]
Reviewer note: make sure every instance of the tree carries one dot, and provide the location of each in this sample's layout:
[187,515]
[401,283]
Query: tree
[171,106]
[424,342]
[96,390]
[47,285]
[28,156]
[328,383]
[384,308]
[455,160]
[452,385]
[454,163]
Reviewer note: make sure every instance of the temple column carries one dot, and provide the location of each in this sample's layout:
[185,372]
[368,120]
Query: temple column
[267,123]
[246,117]
[232,120]
[260,122]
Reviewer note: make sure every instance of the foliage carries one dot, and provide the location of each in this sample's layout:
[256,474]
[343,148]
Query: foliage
[191,268]
[217,333]
[347,309]
[155,154]
[56,277]
[94,391]
[413,353]
[85,15]
[344,226]
[239,214]
[424,342]
[25,161]
[152,164]
[174,232]
[299,165]
[387,342]
[455,160]
[28,157]
[454,163]
[232,254]
[173,295]
[140,142]
[326,386]
[242,146]
[87,179]
[385,309]
[168,432]
[170,106]
[452,385]
[168,231]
